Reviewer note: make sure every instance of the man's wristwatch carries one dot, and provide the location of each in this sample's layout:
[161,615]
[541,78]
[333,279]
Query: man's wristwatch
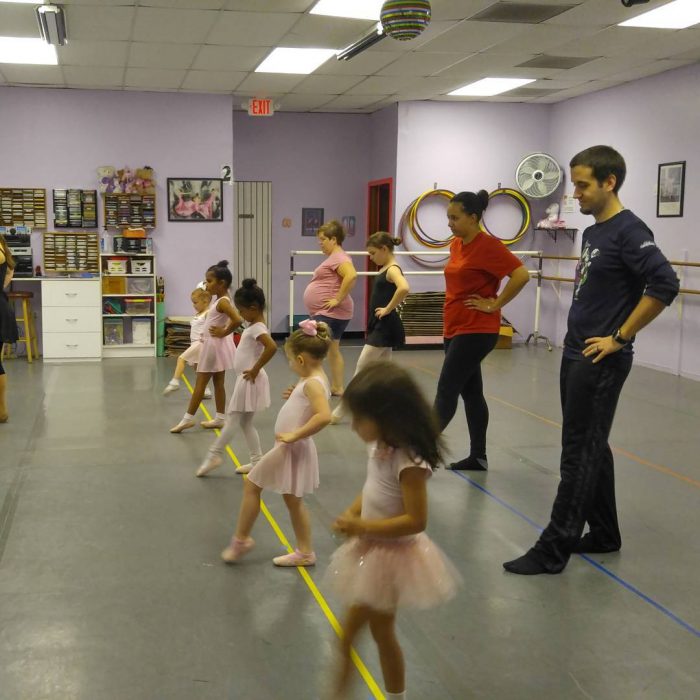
[617,337]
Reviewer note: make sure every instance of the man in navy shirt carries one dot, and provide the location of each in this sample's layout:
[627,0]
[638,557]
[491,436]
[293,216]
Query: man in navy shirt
[623,282]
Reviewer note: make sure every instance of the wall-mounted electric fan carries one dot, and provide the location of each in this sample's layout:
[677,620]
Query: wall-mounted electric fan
[538,175]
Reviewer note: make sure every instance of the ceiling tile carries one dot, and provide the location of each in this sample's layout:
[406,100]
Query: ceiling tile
[613,41]
[473,36]
[184,4]
[153,78]
[426,88]
[173,26]
[481,65]
[215,80]
[540,38]
[99,23]
[602,12]
[240,58]
[93,76]
[156,55]
[381,85]
[327,84]
[366,63]
[18,20]
[457,9]
[647,69]
[251,28]
[421,63]
[103,3]
[326,32]
[93,53]
[266,84]
[432,35]
[668,44]
[302,103]
[32,75]
[354,101]
[271,5]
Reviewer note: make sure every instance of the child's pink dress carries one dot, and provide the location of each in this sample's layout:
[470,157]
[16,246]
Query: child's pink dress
[249,397]
[291,468]
[217,354]
[197,324]
[385,573]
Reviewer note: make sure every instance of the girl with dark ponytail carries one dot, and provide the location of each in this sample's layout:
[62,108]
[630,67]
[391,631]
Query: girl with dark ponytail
[472,317]
[384,328]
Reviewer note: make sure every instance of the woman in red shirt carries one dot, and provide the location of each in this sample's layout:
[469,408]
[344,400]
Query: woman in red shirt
[472,317]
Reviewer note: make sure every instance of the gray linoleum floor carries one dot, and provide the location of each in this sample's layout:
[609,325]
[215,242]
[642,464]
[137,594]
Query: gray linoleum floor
[111,586]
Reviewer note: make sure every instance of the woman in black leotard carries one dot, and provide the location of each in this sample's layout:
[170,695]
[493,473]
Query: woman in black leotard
[384,328]
[8,324]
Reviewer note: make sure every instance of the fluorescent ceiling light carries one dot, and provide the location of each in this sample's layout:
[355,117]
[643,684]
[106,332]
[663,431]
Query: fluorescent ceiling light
[26,2]
[294,60]
[490,86]
[36,51]
[676,15]
[354,9]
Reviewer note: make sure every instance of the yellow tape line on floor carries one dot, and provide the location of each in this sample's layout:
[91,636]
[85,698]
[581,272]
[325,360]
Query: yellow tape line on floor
[332,619]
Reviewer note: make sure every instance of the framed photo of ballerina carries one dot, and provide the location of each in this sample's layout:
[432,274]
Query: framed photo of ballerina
[311,220]
[671,189]
[195,199]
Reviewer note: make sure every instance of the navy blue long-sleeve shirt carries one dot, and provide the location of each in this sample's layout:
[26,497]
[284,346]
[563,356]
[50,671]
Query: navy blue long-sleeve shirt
[619,264]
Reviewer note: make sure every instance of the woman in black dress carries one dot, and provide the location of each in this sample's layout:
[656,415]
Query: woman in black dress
[384,327]
[8,324]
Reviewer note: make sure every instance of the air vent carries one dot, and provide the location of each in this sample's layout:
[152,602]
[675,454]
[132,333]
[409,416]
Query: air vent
[562,62]
[519,12]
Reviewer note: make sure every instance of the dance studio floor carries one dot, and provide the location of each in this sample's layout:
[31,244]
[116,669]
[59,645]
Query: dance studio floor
[111,586]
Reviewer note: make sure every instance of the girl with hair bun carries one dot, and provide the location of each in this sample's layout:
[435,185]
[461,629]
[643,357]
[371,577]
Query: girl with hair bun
[384,328]
[252,390]
[291,466]
[218,350]
[472,317]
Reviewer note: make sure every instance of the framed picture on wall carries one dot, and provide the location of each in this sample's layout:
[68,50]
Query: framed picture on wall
[349,225]
[195,199]
[311,220]
[670,189]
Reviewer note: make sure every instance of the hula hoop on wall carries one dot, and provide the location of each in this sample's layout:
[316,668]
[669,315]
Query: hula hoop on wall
[410,224]
[524,210]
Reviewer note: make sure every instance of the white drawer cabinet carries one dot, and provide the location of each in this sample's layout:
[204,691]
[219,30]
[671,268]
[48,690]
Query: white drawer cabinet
[71,319]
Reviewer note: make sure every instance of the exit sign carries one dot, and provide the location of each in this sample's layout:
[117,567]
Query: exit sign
[258,107]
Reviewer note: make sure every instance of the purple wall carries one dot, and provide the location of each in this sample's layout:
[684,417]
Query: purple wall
[312,160]
[649,121]
[57,138]
[469,146]
[384,144]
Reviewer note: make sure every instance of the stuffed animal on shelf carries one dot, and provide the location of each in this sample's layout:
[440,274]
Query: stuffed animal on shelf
[108,180]
[144,182]
[552,221]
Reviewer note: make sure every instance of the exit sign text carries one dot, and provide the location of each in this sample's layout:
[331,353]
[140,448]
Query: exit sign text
[258,107]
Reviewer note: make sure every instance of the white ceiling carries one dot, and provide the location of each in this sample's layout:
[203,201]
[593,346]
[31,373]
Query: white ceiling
[214,45]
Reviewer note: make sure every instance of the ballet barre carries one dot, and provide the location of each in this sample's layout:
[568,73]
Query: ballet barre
[536,274]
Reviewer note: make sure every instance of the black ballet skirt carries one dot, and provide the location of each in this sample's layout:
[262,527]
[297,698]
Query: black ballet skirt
[384,332]
[8,323]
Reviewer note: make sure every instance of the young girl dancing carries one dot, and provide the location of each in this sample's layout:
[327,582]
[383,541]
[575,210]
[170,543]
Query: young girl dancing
[388,561]
[218,350]
[390,288]
[201,299]
[291,466]
[252,390]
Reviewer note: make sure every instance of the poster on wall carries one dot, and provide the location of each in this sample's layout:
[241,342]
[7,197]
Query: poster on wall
[349,225]
[311,220]
[195,199]
[670,190]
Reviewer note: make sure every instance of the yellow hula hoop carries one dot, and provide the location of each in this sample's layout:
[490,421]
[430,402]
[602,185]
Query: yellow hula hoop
[524,209]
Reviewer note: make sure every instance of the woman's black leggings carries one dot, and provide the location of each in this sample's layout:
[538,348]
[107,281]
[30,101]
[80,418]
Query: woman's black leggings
[461,376]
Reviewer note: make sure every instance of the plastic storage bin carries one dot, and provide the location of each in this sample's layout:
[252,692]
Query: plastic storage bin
[141,267]
[114,285]
[140,285]
[113,331]
[137,307]
[141,331]
[117,266]
[112,306]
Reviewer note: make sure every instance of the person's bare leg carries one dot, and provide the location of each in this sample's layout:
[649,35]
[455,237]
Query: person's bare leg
[250,509]
[219,391]
[383,628]
[301,522]
[187,420]
[355,619]
[3,399]
[337,367]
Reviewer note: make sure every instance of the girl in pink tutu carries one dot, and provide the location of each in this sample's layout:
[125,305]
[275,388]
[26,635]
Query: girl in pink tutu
[388,561]
[291,466]
[252,390]
[218,350]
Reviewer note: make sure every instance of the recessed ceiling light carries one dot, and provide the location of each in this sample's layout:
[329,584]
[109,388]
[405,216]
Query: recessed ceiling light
[26,2]
[294,60]
[490,86]
[36,51]
[354,9]
[676,15]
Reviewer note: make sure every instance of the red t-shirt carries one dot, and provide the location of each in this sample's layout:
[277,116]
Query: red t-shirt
[475,268]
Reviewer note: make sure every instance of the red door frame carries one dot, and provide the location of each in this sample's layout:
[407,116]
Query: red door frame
[371,184]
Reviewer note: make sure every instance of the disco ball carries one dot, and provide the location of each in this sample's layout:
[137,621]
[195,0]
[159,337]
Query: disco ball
[405,19]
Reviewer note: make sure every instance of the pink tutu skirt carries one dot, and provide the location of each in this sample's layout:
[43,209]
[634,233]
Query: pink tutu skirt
[385,574]
[250,397]
[216,354]
[191,355]
[288,468]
